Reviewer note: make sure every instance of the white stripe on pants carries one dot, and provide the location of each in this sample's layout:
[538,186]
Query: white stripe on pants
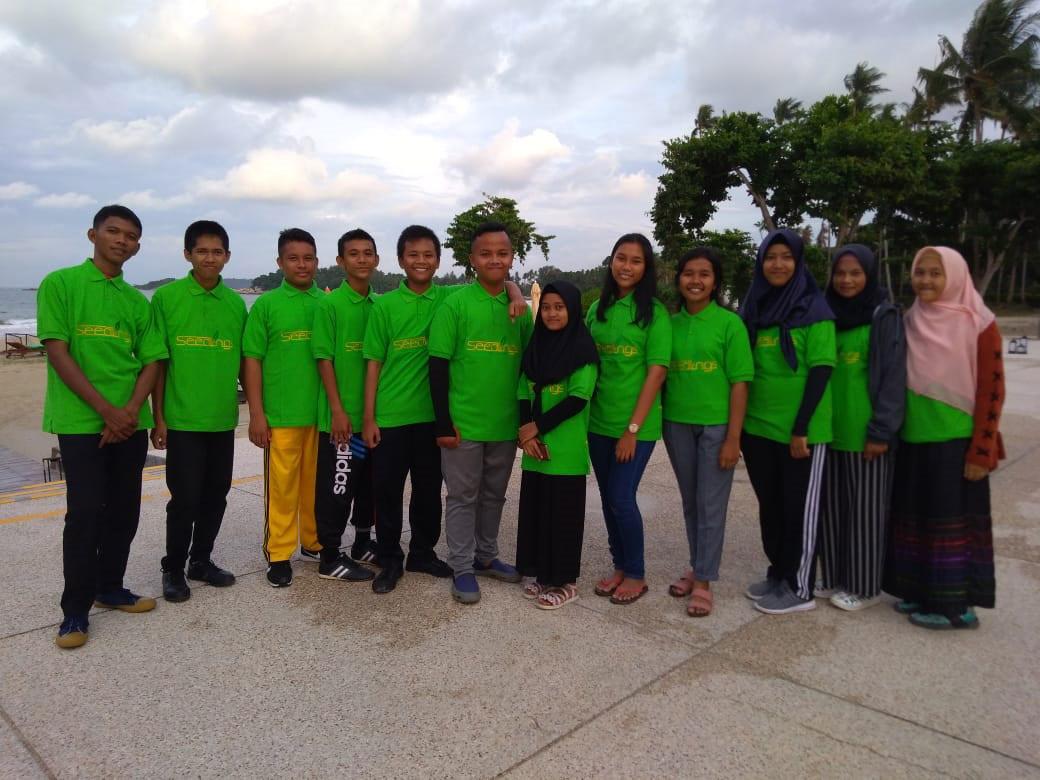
[810,522]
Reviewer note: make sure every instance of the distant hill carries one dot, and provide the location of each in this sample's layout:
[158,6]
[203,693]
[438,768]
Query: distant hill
[234,284]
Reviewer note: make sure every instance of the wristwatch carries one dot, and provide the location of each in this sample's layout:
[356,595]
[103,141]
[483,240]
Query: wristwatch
[633,427]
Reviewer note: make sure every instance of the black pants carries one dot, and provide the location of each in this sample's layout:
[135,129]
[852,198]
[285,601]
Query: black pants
[103,499]
[788,493]
[342,487]
[404,450]
[198,474]
[550,527]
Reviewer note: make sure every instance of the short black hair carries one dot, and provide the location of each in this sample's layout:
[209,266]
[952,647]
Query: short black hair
[357,234]
[121,212]
[416,233]
[490,227]
[205,227]
[701,253]
[295,234]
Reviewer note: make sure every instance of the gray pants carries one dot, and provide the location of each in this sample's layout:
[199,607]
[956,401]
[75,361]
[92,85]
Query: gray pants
[704,487]
[476,474]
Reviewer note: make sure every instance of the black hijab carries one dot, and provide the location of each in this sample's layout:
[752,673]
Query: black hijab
[859,310]
[795,305]
[552,356]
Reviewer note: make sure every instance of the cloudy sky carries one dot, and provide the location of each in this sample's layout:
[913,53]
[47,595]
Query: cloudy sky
[332,114]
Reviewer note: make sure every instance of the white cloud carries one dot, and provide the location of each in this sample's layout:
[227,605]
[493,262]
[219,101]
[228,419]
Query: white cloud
[289,175]
[17,190]
[510,159]
[632,185]
[67,200]
[147,199]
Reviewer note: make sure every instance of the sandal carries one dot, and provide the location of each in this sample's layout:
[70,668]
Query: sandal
[682,587]
[943,623]
[607,585]
[701,603]
[906,607]
[532,589]
[554,598]
[629,596]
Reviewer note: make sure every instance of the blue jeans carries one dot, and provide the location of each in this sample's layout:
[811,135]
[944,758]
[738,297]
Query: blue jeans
[617,490]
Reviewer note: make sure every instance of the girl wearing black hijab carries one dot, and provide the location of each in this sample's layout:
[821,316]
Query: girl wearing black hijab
[869,395]
[788,422]
[558,376]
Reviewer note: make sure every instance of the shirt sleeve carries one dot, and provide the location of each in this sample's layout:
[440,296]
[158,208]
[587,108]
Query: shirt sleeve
[52,311]
[444,331]
[159,318]
[659,338]
[323,333]
[254,339]
[375,343]
[583,381]
[150,345]
[523,388]
[987,445]
[821,346]
[738,361]
[526,329]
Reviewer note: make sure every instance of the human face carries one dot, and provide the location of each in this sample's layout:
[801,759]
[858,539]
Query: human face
[359,260]
[849,278]
[419,261]
[491,258]
[299,262]
[696,283]
[115,241]
[627,266]
[553,311]
[779,264]
[207,259]
[929,278]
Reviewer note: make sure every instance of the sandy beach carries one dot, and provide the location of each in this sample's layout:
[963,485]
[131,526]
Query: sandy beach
[22,385]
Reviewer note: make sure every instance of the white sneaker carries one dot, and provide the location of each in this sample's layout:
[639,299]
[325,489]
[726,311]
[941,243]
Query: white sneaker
[821,592]
[853,603]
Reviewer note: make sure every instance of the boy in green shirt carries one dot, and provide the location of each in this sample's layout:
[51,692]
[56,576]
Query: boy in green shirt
[200,321]
[475,351]
[281,385]
[344,475]
[101,365]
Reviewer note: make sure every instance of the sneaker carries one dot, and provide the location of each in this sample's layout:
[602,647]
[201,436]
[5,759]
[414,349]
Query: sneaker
[783,600]
[433,566]
[465,589]
[497,569]
[279,574]
[850,602]
[73,632]
[364,551]
[762,588]
[125,601]
[344,568]
[310,555]
[175,587]
[209,572]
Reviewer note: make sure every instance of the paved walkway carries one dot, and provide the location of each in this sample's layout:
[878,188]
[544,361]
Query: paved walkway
[325,678]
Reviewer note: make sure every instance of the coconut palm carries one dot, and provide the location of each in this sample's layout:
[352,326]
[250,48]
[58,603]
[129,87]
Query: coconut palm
[863,85]
[786,109]
[705,118]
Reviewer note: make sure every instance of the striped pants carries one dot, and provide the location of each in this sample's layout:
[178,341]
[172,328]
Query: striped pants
[852,527]
[788,493]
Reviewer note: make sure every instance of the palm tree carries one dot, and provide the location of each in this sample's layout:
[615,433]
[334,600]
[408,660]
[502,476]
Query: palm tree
[863,84]
[786,109]
[995,73]
[705,118]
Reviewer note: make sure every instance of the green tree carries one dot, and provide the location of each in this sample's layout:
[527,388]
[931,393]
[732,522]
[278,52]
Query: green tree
[863,85]
[494,209]
[786,109]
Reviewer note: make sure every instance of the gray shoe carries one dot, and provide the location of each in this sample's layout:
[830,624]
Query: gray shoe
[762,588]
[784,600]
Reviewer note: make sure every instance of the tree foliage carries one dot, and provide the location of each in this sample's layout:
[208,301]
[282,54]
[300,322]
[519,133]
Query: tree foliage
[494,209]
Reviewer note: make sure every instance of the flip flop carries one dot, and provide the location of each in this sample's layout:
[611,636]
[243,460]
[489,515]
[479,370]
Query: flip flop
[601,590]
[701,603]
[630,599]
[682,587]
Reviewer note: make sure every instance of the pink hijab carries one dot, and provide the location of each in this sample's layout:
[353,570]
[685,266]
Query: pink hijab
[942,337]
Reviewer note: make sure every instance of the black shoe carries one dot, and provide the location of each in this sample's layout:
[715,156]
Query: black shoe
[344,568]
[387,579]
[175,587]
[279,574]
[433,566]
[207,571]
[364,551]
[310,555]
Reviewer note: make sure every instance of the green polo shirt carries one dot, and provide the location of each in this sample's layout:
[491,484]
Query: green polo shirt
[928,420]
[710,352]
[776,392]
[396,336]
[278,333]
[202,331]
[626,351]
[472,330]
[108,327]
[568,442]
[850,390]
[339,335]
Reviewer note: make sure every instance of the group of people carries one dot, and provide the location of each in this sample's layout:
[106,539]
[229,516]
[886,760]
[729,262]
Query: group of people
[868,434]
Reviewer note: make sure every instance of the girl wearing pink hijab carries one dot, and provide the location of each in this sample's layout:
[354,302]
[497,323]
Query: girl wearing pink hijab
[940,552]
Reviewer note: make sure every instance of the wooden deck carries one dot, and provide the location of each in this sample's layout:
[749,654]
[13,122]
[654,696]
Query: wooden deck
[17,471]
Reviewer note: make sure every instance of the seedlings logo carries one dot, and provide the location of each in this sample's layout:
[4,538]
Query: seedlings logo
[625,350]
[850,358]
[705,366]
[103,331]
[296,335]
[476,345]
[413,343]
[203,341]
[352,346]
[554,389]
[768,341]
